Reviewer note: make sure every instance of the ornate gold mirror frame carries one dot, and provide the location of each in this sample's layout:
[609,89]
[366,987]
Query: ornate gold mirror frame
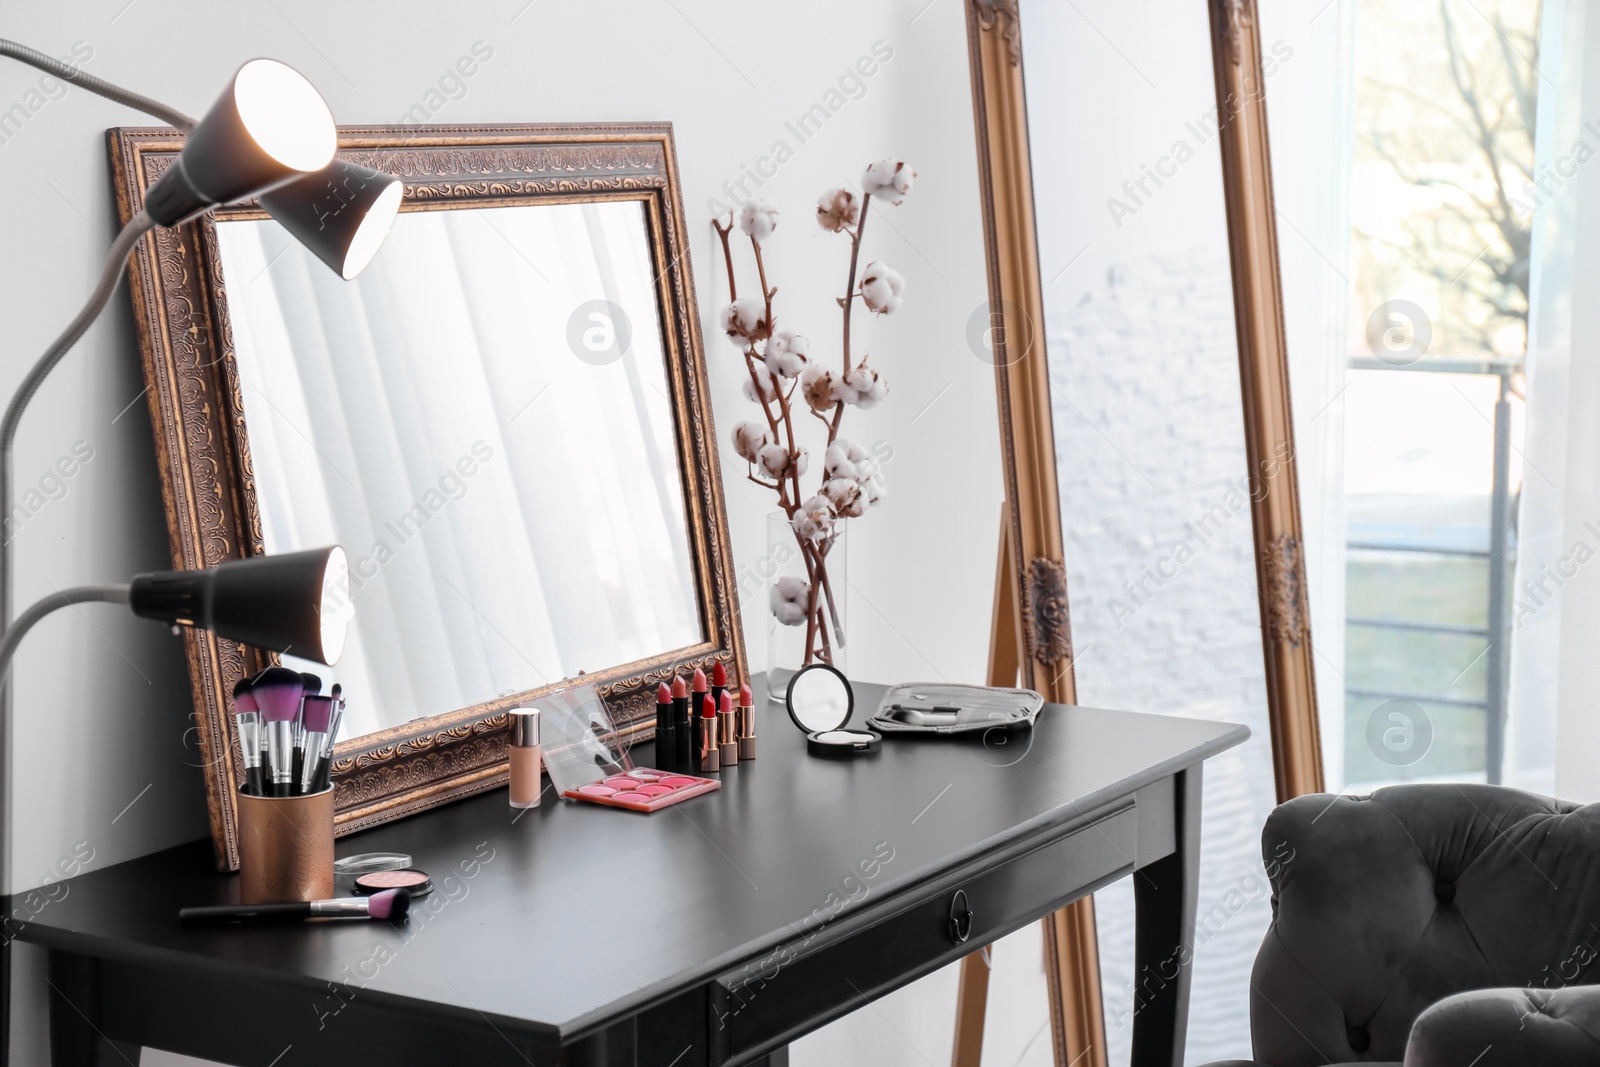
[203,450]
[1032,632]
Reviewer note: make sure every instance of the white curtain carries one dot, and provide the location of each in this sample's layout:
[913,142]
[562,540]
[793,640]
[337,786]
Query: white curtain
[1553,730]
[512,510]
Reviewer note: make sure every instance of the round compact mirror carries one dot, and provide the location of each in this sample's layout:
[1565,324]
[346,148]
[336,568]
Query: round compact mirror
[820,702]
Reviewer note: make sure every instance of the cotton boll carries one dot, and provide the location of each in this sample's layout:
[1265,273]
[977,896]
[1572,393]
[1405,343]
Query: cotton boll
[815,518]
[882,287]
[769,386]
[874,489]
[774,459]
[787,353]
[837,209]
[889,179]
[846,497]
[749,438]
[745,319]
[818,386]
[866,386]
[802,461]
[837,462]
[758,218]
[788,597]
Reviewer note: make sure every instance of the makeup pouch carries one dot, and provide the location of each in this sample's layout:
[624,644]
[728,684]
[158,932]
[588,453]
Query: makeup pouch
[954,709]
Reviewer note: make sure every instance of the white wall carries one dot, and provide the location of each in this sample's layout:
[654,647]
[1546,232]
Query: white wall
[103,700]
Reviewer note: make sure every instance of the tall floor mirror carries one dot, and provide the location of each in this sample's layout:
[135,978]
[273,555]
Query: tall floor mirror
[1150,454]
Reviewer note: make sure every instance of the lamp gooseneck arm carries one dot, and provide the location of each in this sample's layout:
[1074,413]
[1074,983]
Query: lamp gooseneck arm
[80,594]
[116,263]
[68,73]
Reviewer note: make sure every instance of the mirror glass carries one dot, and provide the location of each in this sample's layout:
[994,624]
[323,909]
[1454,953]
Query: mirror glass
[1150,452]
[483,420]
[820,699]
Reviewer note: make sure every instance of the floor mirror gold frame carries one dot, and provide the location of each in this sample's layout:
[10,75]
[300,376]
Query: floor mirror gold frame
[208,481]
[1031,636]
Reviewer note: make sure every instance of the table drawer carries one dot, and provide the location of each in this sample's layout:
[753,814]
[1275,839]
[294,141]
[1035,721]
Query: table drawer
[842,965]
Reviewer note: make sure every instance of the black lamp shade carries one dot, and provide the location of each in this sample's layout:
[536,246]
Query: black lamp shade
[341,212]
[297,602]
[270,125]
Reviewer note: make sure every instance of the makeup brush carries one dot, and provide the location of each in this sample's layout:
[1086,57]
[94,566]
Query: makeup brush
[278,692]
[719,683]
[727,732]
[663,725]
[679,758]
[708,750]
[247,720]
[316,718]
[747,723]
[335,720]
[389,904]
[310,686]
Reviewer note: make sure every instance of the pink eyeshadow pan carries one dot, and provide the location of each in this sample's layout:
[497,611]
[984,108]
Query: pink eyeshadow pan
[636,797]
[654,790]
[597,790]
[678,782]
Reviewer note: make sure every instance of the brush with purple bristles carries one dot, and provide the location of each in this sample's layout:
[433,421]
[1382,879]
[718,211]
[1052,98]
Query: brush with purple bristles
[317,722]
[278,692]
[247,720]
[389,904]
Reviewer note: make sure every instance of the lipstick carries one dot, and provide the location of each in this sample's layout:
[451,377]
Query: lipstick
[727,730]
[710,747]
[747,723]
[679,757]
[664,740]
[697,698]
[719,684]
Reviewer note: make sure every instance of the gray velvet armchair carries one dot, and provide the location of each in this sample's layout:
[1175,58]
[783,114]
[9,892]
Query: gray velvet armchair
[1438,925]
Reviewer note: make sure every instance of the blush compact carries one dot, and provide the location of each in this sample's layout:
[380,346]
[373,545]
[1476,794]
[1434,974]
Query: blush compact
[413,881]
[820,702]
[587,763]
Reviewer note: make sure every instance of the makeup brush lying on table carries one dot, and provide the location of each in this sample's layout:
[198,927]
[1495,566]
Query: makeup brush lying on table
[389,904]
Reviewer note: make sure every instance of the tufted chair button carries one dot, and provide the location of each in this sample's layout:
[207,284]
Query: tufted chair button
[1358,1037]
[1445,891]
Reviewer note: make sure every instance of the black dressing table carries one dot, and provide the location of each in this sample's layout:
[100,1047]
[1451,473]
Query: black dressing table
[714,932]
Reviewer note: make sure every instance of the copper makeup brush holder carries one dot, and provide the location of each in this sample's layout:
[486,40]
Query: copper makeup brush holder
[285,848]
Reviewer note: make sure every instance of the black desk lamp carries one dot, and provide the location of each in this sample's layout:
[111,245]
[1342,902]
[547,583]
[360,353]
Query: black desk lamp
[269,134]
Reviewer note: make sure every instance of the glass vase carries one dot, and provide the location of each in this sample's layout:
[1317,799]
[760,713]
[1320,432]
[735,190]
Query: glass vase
[805,608]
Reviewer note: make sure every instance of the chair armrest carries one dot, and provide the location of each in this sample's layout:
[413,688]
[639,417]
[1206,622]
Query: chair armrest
[1489,1027]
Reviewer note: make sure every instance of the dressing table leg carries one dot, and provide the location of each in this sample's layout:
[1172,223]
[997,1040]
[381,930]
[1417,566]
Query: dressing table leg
[75,1036]
[1164,896]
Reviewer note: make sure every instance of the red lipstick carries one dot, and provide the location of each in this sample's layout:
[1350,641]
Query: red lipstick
[727,731]
[719,683]
[710,745]
[747,723]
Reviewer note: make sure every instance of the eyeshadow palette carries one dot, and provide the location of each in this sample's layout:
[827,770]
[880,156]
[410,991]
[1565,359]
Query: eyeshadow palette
[586,761]
[643,789]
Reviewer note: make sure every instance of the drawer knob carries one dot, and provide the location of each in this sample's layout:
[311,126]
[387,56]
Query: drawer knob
[960,918]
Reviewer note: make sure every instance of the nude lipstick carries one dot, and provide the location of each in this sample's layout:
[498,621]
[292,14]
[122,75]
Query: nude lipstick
[664,740]
[680,728]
